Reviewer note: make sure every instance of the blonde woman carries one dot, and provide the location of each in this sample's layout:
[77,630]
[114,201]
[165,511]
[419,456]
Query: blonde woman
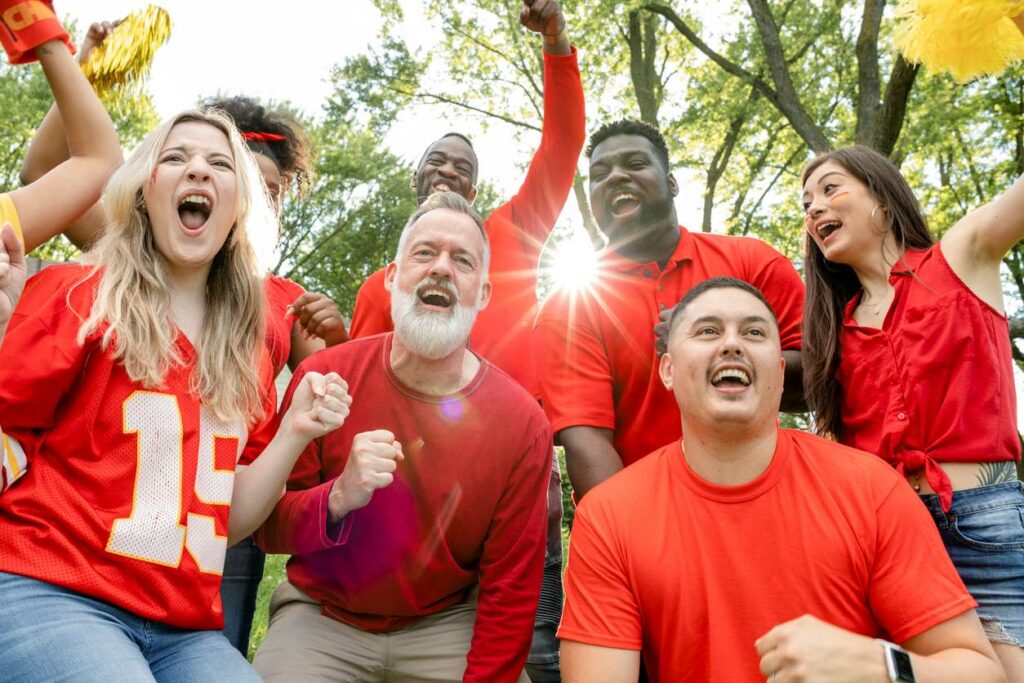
[132,385]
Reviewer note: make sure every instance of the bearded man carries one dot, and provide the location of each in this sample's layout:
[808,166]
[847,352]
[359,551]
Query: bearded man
[417,531]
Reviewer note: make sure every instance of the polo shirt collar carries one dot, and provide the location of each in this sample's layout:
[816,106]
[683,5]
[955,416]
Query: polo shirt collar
[609,259]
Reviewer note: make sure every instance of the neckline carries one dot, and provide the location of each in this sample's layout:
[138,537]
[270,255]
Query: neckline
[733,494]
[398,384]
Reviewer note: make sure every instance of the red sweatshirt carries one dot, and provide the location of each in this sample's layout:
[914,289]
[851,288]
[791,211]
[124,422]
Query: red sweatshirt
[468,506]
[517,231]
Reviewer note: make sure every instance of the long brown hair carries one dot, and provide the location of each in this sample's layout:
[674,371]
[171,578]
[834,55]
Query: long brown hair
[830,286]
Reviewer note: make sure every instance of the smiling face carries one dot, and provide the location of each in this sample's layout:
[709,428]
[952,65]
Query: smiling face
[841,215]
[191,197]
[449,165]
[630,189]
[439,283]
[724,363]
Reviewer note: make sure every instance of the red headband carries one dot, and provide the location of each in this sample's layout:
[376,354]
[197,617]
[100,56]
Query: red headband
[262,137]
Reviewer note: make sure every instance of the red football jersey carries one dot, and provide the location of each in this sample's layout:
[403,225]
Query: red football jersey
[127,489]
[280,293]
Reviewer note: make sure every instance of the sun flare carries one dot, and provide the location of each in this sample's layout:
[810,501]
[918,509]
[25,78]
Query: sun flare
[574,265]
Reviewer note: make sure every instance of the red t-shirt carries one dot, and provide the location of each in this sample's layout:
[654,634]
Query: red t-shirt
[102,508]
[516,231]
[280,293]
[598,365]
[692,573]
[935,384]
[468,506]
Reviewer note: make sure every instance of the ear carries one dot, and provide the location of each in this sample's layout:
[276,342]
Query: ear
[485,295]
[413,178]
[472,195]
[673,185]
[390,273]
[665,370]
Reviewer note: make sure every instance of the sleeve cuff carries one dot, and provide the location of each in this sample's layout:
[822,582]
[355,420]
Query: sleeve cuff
[332,535]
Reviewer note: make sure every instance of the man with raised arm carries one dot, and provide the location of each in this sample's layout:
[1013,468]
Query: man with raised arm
[744,551]
[598,365]
[517,231]
[417,531]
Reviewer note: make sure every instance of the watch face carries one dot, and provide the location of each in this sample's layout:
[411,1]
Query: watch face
[904,671]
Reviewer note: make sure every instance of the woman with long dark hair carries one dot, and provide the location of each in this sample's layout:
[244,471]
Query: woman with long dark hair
[906,354]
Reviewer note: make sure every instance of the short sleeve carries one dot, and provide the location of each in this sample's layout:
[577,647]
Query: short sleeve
[40,357]
[372,312]
[600,606]
[781,285]
[575,373]
[913,584]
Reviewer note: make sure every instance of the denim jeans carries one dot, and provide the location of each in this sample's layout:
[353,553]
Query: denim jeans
[239,586]
[50,633]
[984,535]
[542,663]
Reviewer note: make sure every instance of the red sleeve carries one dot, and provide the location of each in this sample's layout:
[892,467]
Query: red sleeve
[372,312]
[913,585]
[600,605]
[40,357]
[574,371]
[539,201]
[781,285]
[298,524]
[510,569]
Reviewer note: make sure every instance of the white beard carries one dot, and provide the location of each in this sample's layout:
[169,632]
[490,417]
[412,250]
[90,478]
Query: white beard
[431,334]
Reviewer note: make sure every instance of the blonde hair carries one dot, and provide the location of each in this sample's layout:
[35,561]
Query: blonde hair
[133,296]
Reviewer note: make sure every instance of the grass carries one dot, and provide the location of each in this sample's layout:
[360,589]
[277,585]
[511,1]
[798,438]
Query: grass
[274,573]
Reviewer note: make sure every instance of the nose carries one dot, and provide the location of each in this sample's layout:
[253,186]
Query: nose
[814,209]
[732,344]
[441,266]
[198,170]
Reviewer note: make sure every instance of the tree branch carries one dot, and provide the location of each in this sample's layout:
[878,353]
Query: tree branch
[894,106]
[867,70]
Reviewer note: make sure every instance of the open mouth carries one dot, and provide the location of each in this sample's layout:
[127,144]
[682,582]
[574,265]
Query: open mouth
[442,186]
[436,296]
[828,228]
[731,378]
[194,210]
[623,203]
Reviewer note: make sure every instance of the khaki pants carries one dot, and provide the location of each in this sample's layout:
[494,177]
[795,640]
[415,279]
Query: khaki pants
[304,645]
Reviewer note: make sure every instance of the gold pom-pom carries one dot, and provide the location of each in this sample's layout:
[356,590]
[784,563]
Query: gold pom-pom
[118,68]
[968,38]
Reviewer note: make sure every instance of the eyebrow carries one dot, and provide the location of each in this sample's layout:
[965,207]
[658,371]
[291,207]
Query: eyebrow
[822,179]
[187,149]
[716,319]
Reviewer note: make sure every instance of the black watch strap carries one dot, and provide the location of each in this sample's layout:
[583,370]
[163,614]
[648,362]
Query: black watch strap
[897,663]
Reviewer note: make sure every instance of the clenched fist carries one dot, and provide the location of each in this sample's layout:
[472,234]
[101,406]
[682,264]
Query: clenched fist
[371,465]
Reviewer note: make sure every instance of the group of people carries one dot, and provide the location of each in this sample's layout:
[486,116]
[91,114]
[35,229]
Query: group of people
[408,471]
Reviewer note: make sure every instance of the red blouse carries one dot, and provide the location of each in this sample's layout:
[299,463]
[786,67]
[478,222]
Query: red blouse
[935,383]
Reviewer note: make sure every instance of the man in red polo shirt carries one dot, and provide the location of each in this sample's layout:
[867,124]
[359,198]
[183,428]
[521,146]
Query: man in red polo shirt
[745,551]
[598,365]
[517,231]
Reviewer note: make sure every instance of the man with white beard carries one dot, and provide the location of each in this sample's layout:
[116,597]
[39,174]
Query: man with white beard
[417,530]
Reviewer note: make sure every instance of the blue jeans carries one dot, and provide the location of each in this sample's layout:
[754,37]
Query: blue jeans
[984,535]
[50,633]
[542,663]
[239,586]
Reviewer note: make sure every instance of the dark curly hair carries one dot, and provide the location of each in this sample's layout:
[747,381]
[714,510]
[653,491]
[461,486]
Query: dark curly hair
[630,127]
[291,155]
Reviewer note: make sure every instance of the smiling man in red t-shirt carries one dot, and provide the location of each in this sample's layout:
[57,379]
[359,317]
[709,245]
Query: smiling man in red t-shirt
[746,551]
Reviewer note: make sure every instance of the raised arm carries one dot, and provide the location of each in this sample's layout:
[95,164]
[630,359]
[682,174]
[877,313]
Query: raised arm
[540,198]
[73,159]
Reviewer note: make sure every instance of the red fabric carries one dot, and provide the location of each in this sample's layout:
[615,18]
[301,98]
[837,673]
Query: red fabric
[935,384]
[280,293]
[262,137]
[87,430]
[27,24]
[693,573]
[468,505]
[517,231]
[598,366]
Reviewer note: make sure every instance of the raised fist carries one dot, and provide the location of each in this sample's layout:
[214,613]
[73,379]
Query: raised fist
[371,465]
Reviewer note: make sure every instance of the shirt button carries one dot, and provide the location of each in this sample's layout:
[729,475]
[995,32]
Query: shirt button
[901,416]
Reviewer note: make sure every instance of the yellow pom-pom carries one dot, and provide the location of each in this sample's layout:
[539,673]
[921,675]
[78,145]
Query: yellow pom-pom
[968,38]
[118,68]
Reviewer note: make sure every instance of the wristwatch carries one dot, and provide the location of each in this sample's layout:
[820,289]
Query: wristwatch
[897,663]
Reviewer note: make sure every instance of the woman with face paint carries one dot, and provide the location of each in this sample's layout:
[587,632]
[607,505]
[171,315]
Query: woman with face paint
[131,385]
[907,355]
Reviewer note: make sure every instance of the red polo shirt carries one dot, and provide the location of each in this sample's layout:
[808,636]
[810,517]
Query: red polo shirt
[935,383]
[516,231]
[598,366]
